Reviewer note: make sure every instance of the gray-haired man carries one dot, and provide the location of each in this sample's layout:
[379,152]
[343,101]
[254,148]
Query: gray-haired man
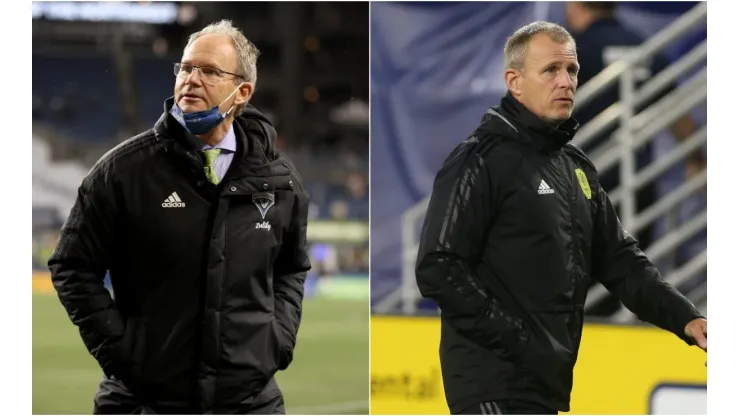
[202,224]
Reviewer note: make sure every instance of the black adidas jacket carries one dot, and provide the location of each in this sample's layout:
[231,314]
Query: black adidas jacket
[517,227]
[208,290]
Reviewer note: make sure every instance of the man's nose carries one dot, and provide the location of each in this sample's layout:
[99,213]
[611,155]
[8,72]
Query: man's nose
[566,80]
[193,78]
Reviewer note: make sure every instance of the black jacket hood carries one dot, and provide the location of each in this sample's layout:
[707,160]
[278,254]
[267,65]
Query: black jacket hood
[536,131]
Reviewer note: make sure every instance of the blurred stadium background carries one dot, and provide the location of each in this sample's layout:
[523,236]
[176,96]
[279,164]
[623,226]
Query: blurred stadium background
[435,68]
[101,72]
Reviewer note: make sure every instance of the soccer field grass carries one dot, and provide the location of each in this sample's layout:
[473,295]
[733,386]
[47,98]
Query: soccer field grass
[329,374]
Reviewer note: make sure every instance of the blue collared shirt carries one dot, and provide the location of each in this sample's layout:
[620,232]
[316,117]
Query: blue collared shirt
[227,146]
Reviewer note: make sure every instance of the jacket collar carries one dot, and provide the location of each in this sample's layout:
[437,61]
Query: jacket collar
[541,134]
[255,136]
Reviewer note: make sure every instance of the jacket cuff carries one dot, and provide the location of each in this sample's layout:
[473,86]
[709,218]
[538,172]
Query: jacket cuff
[683,321]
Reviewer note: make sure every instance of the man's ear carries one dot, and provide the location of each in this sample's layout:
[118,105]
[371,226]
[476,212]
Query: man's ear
[245,93]
[513,78]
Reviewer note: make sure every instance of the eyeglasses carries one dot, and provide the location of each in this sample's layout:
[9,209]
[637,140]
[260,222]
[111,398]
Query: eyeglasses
[208,74]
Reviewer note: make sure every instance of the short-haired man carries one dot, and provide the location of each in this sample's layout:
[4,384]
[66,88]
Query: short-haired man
[517,227]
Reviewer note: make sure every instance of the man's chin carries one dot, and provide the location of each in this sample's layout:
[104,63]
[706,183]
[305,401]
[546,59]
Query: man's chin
[190,108]
[558,117]
[191,104]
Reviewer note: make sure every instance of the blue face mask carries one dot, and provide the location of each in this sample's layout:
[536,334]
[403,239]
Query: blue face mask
[201,122]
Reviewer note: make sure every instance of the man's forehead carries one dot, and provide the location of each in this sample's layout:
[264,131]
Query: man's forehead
[211,50]
[543,48]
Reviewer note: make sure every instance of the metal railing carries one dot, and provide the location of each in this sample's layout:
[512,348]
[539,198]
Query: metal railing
[690,20]
[635,131]
[646,124]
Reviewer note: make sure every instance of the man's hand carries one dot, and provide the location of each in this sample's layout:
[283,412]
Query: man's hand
[697,329]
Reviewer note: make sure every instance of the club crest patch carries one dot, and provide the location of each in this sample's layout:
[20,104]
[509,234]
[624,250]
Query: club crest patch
[264,201]
[583,181]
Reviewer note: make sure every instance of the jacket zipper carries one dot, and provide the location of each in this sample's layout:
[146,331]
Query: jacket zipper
[576,250]
[265,184]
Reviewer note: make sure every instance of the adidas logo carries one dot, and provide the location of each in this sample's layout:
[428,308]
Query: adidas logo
[264,225]
[173,201]
[544,189]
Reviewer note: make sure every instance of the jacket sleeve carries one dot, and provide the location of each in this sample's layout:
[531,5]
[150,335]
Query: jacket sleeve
[460,212]
[78,266]
[290,273]
[625,271]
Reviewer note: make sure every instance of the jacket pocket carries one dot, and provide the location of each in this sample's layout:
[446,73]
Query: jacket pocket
[514,344]
[130,361]
[519,349]
[547,362]
[283,351]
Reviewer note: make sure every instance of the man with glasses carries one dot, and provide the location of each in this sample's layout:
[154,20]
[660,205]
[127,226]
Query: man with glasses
[201,223]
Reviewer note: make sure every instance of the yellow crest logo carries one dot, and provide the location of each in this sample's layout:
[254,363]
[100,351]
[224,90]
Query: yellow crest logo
[583,181]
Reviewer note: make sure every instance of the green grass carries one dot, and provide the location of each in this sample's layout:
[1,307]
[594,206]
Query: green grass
[329,374]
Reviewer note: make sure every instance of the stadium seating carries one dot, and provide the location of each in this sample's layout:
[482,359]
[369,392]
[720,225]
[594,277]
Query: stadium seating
[78,96]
